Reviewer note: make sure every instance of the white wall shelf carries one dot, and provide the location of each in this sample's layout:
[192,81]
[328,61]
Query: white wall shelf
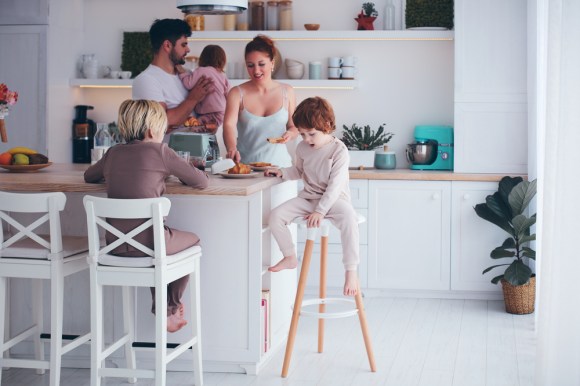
[422,34]
[328,84]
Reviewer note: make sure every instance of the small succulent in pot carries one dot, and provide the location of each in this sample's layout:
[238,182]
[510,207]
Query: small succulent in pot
[369,9]
[363,138]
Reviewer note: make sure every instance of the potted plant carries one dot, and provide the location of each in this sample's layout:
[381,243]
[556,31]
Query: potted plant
[506,208]
[361,143]
[366,17]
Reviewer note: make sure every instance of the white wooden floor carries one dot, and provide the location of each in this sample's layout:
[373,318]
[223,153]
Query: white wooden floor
[431,342]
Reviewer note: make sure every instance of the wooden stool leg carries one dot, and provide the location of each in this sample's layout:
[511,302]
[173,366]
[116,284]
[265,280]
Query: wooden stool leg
[364,327]
[322,290]
[297,305]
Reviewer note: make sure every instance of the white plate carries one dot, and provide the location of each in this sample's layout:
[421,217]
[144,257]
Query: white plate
[251,175]
[262,168]
[428,28]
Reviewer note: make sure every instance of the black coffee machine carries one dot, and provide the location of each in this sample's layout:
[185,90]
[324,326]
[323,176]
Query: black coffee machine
[83,135]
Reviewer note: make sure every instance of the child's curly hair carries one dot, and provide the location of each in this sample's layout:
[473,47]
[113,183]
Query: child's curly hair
[315,113]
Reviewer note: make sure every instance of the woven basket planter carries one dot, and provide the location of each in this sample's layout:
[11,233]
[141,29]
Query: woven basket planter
[519,299]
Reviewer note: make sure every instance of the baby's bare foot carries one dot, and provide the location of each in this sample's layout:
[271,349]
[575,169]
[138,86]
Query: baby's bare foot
[350,283]
[289,262]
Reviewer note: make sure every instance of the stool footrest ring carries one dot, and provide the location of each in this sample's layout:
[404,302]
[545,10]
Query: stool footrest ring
[327,315]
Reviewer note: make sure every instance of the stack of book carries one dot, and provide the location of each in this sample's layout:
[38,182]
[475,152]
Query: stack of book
[265,321]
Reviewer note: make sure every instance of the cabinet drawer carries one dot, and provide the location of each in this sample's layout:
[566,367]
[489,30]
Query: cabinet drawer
[334,236]
[334,266]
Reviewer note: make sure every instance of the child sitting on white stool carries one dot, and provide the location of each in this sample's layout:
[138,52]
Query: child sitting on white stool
[322,163]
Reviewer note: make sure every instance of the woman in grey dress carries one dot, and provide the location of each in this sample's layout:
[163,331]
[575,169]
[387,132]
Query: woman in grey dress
[259,109]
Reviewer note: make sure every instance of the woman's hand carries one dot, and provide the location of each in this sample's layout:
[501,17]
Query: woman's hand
[234,155]
[290,135]
[313,220]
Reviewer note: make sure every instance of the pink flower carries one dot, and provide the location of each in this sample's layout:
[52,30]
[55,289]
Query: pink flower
[7,97]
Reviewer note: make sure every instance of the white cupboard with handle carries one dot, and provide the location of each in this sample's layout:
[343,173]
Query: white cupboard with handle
[409,235]
[473,238]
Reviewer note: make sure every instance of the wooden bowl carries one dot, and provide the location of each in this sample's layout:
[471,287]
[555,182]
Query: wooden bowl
[312,27]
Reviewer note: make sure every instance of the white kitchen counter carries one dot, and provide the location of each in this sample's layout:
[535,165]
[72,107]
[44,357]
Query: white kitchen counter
[424,175]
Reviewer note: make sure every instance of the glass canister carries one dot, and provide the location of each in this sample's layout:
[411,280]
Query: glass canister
[285,15]
[272,16]
[242,21]
[229,22]
[196,22]
[257,16]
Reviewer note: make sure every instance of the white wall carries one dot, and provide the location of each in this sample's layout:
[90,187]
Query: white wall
[402,84]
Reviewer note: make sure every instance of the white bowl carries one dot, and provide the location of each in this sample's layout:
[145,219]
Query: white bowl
[292,63]
[295,72]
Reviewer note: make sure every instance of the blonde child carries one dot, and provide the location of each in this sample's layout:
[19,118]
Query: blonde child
[322,163]
[211,65]
[137,169]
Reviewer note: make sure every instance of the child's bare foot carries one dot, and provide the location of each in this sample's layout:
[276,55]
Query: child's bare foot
[350,283]
[289,262]
[176,321]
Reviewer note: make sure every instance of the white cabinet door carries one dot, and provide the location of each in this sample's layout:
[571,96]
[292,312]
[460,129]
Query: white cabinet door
[473,238]
[409,236]
[490,86]
[23,67]
[24,12]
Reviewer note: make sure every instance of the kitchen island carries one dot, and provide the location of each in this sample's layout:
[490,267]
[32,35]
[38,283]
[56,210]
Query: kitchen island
[231,218]
[402,207]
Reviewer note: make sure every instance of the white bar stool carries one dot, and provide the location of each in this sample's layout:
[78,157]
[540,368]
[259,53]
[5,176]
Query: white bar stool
[322,300]
[156,270]
[26,253]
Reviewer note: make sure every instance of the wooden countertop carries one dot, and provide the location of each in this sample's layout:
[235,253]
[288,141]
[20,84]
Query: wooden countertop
[425,175]
[69,178]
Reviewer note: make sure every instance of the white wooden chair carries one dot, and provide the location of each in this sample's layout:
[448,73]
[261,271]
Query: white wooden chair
[27,253]
[322,300]
[156,270]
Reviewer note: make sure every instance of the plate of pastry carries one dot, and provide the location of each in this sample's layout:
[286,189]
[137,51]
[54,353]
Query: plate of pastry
[246,175]
[261,166]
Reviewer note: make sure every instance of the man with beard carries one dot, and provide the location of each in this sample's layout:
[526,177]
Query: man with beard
[160,81]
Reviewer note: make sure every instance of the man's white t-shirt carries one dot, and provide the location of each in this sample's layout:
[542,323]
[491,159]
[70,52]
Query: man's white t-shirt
[156,84]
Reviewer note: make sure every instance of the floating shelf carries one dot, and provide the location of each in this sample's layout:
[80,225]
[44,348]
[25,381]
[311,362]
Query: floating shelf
[422,35]
[328,84]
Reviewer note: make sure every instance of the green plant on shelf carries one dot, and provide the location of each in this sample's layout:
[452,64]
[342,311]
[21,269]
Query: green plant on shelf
[369,10]
[363,138]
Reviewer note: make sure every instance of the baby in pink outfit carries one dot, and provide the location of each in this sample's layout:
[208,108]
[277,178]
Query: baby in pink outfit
[322,163]
[211,65]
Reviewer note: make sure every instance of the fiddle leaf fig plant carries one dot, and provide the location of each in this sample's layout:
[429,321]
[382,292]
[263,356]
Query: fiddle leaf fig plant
[363,138]
[505,208]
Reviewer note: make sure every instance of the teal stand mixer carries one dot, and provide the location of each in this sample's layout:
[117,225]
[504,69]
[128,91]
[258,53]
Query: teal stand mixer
[432,149]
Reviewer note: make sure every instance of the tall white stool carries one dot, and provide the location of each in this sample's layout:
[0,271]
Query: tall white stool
[156,270]
[26,253]
[322,300]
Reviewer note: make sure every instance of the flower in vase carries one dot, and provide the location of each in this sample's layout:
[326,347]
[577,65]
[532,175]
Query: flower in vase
[7,98]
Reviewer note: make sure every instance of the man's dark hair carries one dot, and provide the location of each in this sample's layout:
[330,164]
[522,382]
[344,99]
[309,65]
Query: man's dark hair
[167,29]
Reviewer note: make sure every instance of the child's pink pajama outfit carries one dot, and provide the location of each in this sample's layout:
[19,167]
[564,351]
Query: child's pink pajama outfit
[326,191]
